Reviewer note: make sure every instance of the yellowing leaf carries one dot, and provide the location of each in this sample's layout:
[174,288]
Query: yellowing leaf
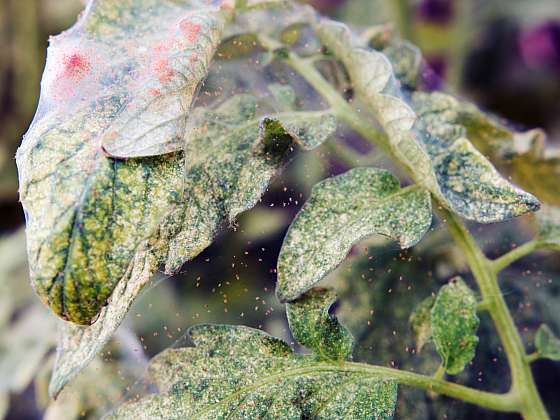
[421,322]
[548,219]
[121,79]
[233,154]
[524,155]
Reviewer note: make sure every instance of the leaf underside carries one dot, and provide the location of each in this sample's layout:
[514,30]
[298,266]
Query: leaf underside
[454,325]
[341,211]
[239,372]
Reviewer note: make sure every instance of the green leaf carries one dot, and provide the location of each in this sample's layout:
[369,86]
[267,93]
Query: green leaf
[454,325]
[240,373]
[233,154]
[440,158]
[421,322]
[548,219]
[547,344]
[341,211]
[313,326]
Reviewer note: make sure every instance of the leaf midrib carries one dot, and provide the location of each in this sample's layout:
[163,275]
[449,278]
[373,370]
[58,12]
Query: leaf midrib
[313,369]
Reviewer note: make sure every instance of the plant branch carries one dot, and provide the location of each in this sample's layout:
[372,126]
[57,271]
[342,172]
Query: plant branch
[515,254]
[523,396]
[499,402]
[532,357]
[523,385]
[401,12]
[340,107]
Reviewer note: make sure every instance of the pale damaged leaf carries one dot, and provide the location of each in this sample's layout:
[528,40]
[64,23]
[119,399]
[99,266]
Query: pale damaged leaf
[406,60]
[96,390]
[313,326]
[454,325]
[120,80]
[524,155]
[233,154]
[273,21]
[440,158]
[242,373]
[548,220]
[421,322]
[341,211]
[547,344]
[23,347]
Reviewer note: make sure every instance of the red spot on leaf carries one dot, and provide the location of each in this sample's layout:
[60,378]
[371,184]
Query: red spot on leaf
[75,66]
[162,70]
[190,30]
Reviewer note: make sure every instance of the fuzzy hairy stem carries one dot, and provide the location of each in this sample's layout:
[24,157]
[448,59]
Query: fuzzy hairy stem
[523,396]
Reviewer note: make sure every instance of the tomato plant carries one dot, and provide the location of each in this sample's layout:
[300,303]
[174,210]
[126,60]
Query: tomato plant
[160,122]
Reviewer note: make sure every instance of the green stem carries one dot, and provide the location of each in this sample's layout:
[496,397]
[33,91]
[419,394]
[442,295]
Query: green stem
[483,306]
[439,374]
[523,385]
[340,107]
[401,12]
[532,357]
[523,396]
[507,259]
[461,36]
[499,402]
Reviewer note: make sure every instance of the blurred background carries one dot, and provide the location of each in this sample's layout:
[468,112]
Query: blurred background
[502,54]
